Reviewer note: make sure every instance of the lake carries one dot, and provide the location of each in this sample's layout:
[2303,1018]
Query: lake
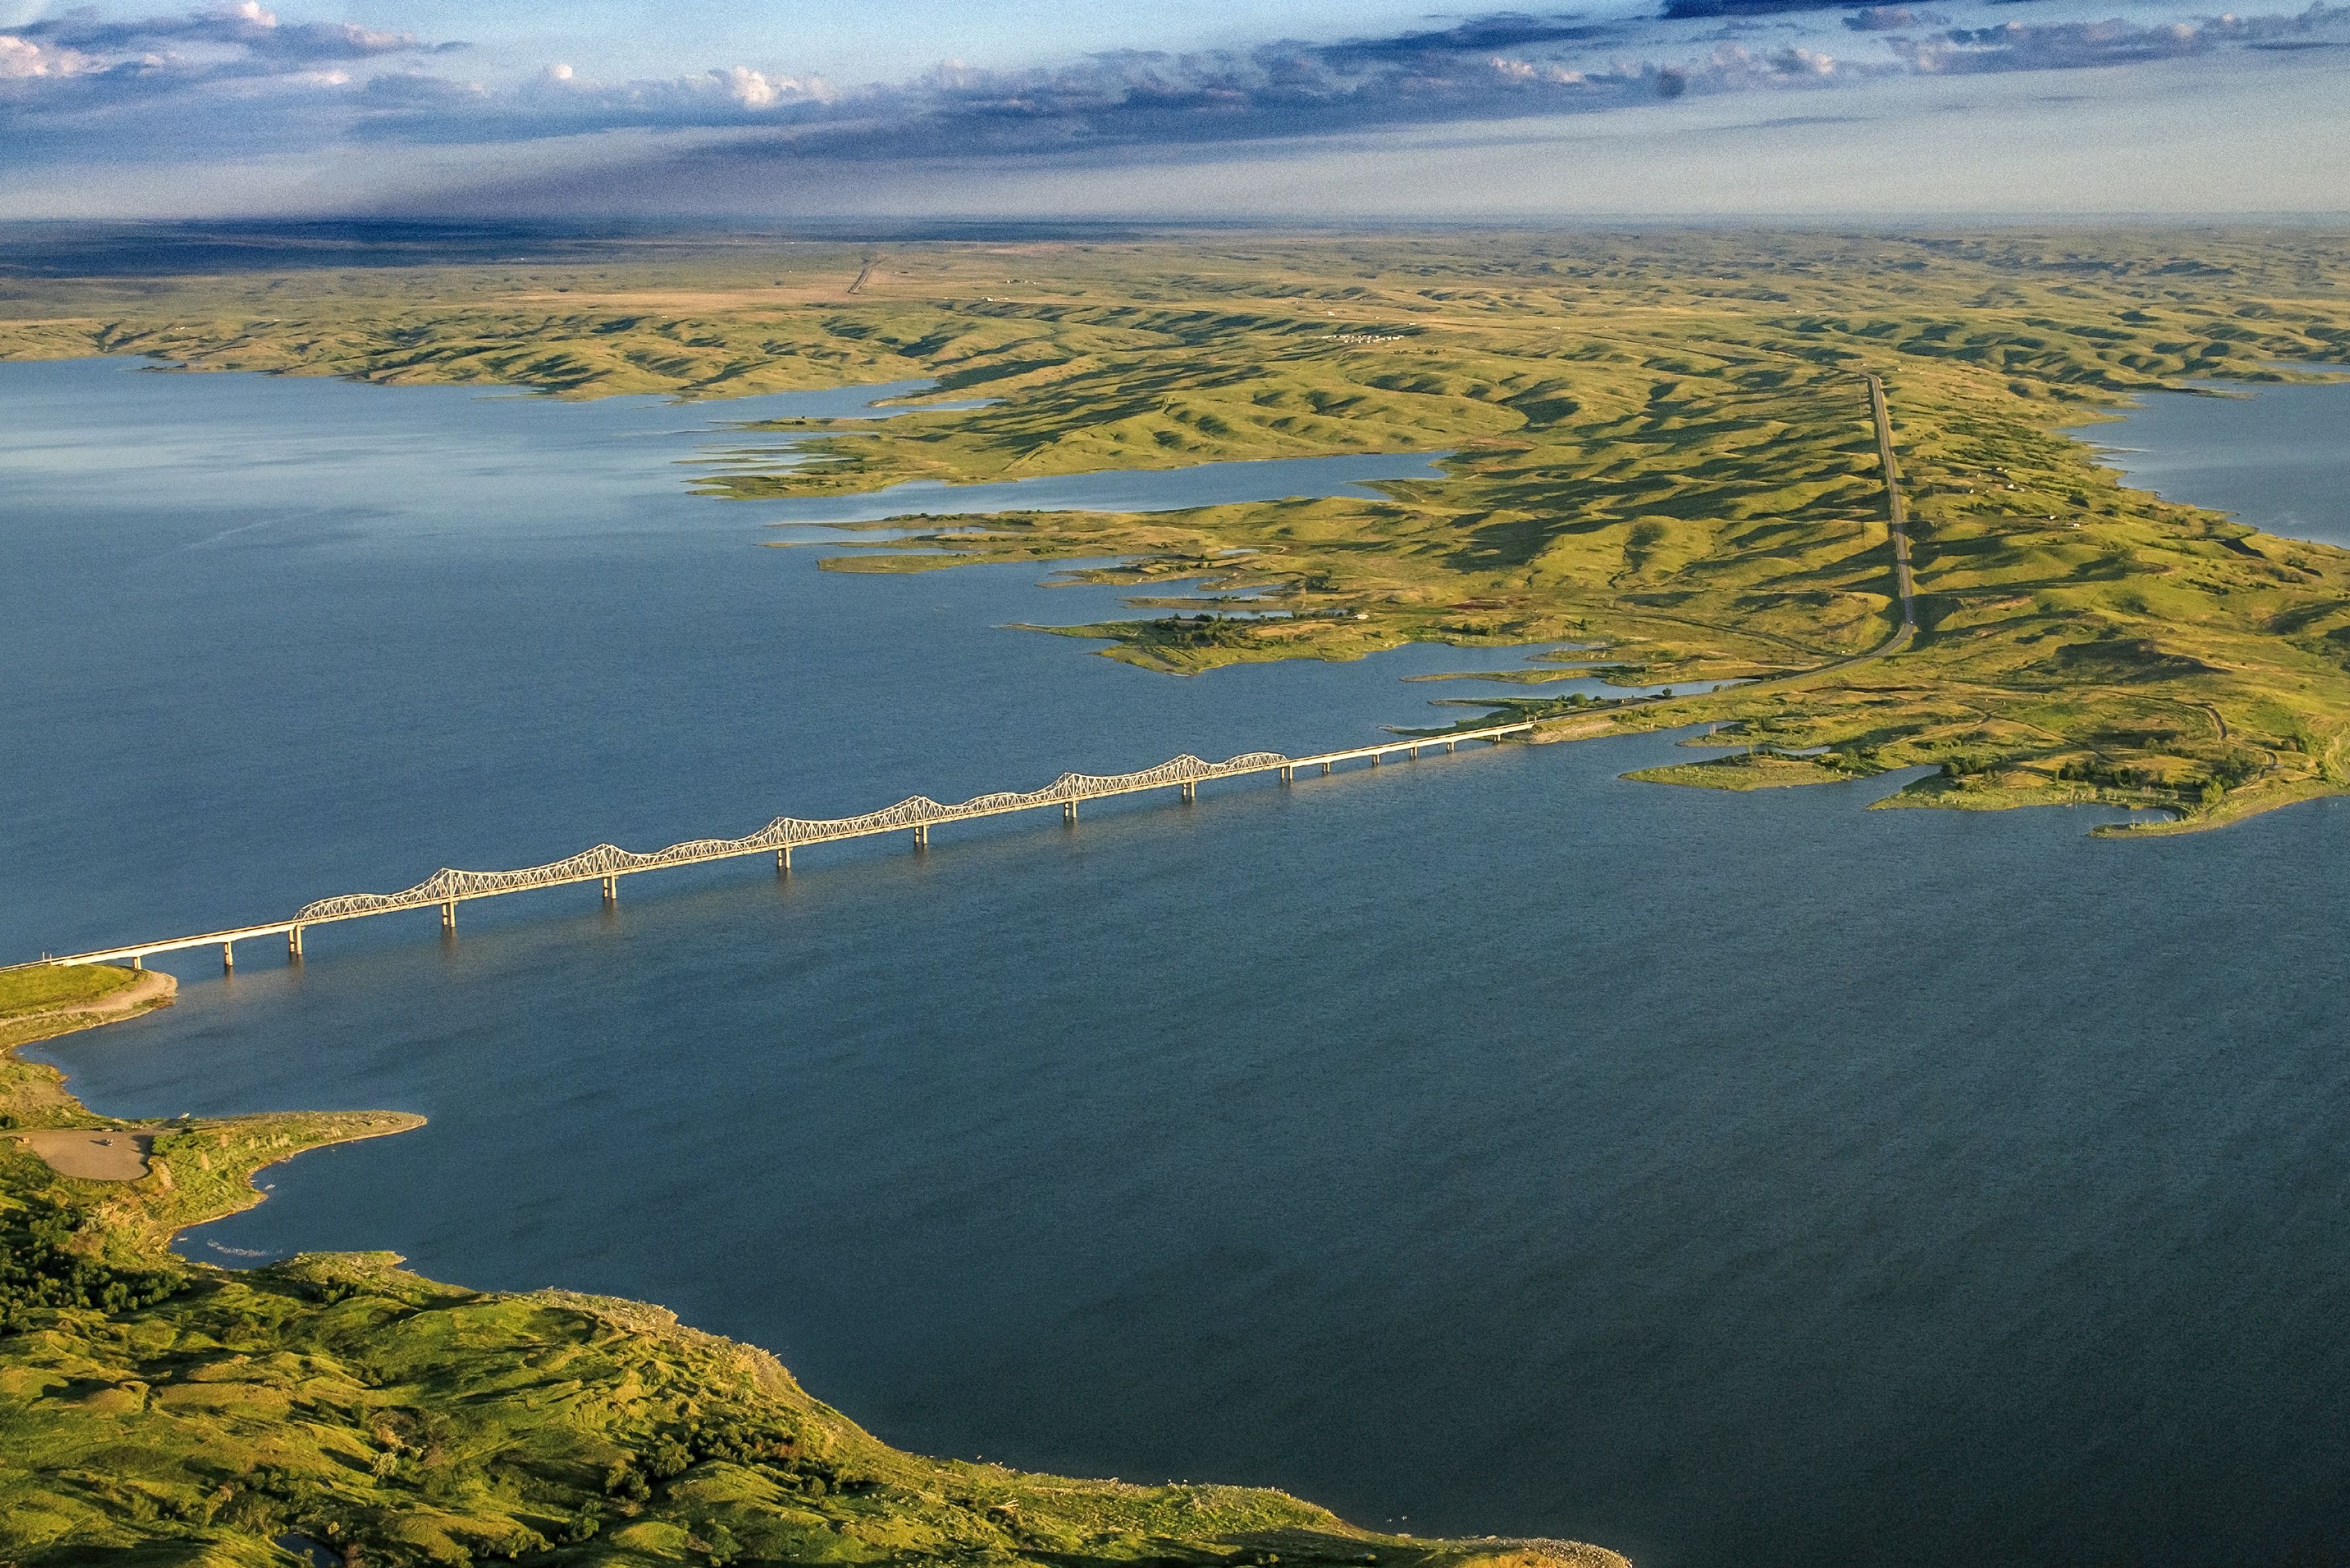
[2279,456]
[1479,1144]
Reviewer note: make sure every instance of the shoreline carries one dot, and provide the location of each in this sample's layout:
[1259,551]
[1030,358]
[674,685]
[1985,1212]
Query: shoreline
[154,988]
[1670,646]
[187,1376]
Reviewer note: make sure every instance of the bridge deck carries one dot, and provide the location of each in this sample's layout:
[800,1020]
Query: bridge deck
[606,864]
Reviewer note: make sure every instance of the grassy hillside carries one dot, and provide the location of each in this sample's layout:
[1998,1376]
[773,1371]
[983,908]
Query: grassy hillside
[153,1410]
[1660,445]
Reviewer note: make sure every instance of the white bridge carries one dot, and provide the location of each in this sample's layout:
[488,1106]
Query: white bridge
[608,863]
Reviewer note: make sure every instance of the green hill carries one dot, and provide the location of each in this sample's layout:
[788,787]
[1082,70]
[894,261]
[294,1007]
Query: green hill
[154,1410]
[1661,447]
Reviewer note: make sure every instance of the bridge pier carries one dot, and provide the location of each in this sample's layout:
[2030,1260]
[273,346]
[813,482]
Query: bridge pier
[1448,748]
[1186,774]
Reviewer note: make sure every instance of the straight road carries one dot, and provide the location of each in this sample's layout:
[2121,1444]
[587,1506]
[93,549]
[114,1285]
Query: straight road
[1896,518]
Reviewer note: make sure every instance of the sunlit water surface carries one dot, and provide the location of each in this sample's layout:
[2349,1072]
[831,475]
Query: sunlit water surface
[1483,1143]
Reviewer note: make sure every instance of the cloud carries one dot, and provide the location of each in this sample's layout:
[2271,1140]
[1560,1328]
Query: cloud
[2241,133]
[1679,10]
[1479,35]
[232,80]
[1510,66]
[21,59]
[1499,66]
[80,64]
[242,27]
[238,77]
[1892,19]
[2076,45]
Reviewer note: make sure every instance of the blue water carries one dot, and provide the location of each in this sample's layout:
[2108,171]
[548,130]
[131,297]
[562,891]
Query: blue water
[1151,490]
[273,637]
[1484,1144]
[2278,455]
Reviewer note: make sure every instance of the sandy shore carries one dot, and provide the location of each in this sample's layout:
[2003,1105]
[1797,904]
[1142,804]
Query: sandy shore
[154,988]
[100,1154]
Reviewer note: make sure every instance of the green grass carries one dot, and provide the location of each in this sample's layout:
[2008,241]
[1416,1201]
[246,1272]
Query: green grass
[36,1002]
[1660,445]
[1743,772]
[156,1411]
[360,1405]
[44,988]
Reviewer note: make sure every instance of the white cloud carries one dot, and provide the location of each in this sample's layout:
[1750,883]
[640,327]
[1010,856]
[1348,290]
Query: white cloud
[22,60]
[79,89]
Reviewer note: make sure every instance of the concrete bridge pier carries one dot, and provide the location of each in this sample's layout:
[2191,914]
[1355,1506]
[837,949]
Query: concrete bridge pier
[1448,748]
[1186,774]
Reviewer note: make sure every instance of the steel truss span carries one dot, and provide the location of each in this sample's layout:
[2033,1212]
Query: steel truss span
[607,863]
[783,833]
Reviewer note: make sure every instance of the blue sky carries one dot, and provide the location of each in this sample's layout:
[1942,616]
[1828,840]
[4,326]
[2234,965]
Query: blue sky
[1308,110]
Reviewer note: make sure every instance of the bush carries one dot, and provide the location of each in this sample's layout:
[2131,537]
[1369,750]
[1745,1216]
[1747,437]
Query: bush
[667,1458]
[623,1481]
[38,1270]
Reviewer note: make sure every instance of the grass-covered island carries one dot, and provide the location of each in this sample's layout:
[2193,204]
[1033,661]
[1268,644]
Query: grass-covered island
[159,1411]
[1660,450]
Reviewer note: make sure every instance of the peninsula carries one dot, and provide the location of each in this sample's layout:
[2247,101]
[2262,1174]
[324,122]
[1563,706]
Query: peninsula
[1661,448]
[339,1407]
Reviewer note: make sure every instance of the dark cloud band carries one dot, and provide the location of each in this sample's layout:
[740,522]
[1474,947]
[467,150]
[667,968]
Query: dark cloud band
[373,84]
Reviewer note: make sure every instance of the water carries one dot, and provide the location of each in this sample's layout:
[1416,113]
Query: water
[1483,1143]
[1150,490]
[2279,455]
[270,639]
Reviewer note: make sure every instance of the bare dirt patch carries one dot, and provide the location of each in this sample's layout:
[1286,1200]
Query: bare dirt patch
[117,1153]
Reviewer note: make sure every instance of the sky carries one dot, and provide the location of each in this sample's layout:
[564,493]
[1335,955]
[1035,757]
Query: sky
[1309,111]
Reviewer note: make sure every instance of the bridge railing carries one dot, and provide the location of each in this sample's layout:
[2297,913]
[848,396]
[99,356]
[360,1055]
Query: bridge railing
[606,863]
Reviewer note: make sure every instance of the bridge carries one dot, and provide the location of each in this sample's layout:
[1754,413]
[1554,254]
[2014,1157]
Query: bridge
[606,863]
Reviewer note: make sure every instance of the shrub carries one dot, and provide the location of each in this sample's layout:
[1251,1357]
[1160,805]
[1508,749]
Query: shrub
[39,1270]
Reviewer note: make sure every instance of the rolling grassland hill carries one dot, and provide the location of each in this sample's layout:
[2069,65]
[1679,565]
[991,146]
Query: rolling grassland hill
[158,1411]
[1660,450]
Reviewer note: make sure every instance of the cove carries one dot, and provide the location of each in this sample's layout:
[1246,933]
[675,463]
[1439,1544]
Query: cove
[2276,455]
[1485,1144]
